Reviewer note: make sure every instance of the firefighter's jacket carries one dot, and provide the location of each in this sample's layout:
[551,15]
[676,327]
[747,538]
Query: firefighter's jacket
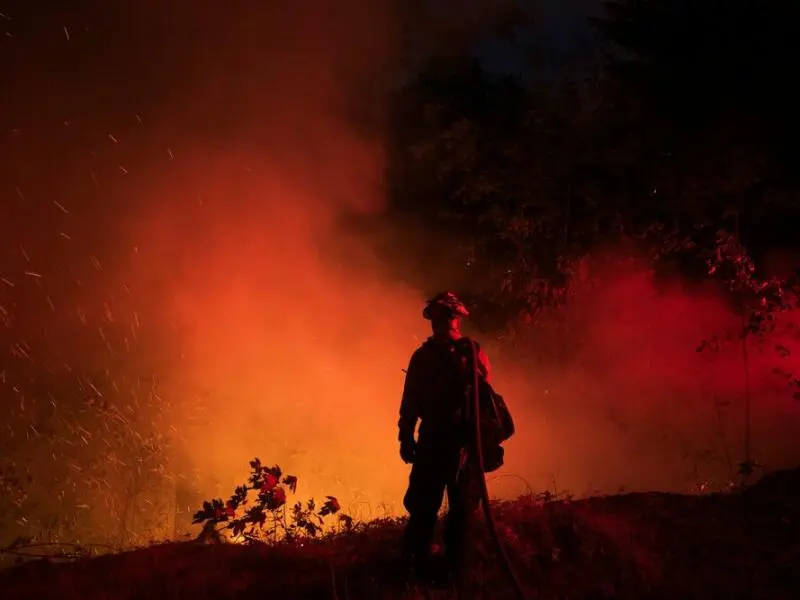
[435,392]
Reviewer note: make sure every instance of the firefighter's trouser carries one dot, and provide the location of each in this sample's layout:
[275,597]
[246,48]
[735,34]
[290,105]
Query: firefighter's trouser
[435,471]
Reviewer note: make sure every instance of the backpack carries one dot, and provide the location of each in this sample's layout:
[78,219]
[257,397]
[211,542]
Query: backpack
[496,423]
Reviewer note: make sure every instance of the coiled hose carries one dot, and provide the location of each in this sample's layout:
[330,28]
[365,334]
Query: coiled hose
[487,511]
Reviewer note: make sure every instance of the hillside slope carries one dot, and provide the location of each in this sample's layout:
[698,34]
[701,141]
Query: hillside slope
[641,546]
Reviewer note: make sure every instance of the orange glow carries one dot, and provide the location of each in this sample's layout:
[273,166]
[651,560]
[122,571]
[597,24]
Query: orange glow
[292,340]
[300,365]
[274,334]
[298,359]
[288,350]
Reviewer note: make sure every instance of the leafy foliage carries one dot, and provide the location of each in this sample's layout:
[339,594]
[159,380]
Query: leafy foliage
[760,302]
[509,185]
[267,519]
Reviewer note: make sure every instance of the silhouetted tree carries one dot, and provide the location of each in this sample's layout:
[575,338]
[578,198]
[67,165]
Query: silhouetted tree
[715,80]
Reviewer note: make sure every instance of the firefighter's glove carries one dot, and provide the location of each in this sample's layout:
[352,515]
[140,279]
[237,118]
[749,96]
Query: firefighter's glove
[408,451]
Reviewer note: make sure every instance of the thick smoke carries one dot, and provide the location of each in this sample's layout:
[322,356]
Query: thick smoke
[292,343]
[211,186]
[635,405]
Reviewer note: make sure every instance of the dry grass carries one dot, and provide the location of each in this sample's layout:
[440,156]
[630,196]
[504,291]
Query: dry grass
[638,546]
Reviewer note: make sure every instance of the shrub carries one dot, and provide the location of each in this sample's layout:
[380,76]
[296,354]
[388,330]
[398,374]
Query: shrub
[266,518]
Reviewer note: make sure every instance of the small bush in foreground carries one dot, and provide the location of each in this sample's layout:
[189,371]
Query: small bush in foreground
[267,518]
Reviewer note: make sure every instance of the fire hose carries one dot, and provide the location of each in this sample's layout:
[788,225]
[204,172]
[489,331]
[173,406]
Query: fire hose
[487,510]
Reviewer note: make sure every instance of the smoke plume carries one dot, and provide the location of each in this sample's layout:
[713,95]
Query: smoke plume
[187,185]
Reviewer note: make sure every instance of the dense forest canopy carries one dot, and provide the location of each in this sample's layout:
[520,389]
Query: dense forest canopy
[684,128]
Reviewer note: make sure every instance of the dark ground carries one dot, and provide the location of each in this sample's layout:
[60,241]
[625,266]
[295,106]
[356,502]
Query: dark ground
[638,546]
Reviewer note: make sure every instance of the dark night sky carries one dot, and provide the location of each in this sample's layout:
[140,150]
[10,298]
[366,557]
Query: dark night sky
[561,29]
[561,36]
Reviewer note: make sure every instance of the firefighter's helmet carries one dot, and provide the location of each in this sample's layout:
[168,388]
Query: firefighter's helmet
[444,304]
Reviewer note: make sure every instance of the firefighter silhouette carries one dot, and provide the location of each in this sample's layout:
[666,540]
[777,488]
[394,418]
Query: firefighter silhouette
[434,396]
